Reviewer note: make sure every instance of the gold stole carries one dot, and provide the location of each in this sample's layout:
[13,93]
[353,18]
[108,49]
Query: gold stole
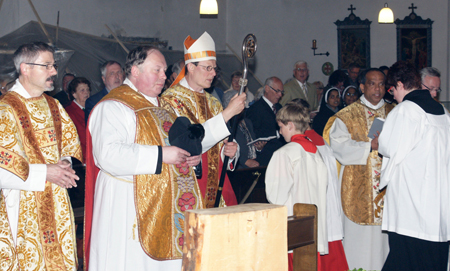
[160,199]
[28,250]
[198,108]
[362,200]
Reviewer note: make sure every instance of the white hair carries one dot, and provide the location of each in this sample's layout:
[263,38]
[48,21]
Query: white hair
[300,62]
[429,71]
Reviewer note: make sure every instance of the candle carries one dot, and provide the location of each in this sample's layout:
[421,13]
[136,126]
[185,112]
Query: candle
[314,44]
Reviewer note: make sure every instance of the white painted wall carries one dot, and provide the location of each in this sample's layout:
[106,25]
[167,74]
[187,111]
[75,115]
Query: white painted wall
[284,28]
[169,20]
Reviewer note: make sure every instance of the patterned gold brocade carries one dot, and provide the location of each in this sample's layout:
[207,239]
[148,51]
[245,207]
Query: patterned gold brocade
[362,200]
[198,108]
[40,132]
[160,199]
[14,163]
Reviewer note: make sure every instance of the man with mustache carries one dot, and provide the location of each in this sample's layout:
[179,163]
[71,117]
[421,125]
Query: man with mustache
[37,139]
[362,199]
[187,97]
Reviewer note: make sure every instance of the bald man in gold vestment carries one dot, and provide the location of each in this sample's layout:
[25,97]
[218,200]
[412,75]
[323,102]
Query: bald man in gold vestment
[362,201]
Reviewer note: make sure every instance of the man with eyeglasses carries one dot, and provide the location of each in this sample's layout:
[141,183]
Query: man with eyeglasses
[187,97]
[37,139]
[263,117]
[431,80]
[299,87]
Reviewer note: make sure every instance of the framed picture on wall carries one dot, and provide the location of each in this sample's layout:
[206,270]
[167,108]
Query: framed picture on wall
[353,41]
[414,40]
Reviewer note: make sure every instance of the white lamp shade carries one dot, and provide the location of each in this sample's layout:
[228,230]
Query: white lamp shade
[209,7]
[386,15]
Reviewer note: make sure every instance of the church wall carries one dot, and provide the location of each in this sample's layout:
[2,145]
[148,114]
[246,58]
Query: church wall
[284,29]
[170,20]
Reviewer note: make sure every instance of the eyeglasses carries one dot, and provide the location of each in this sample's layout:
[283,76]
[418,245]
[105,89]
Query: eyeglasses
[47,66]
[209,68]
[350,94]
[431,89]
[301,70]
[277,90]
[391,90]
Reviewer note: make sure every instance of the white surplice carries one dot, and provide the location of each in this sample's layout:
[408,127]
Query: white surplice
[297,176]
[115,242]
[365,246]
[416,170]
[334,208]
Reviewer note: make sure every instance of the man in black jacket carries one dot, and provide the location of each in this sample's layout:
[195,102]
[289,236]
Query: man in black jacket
[262,114]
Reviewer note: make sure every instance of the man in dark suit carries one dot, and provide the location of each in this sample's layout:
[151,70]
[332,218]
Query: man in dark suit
[263,116]
[63,95]
[112,76]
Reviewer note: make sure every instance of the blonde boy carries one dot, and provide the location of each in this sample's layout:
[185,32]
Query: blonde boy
[296,173]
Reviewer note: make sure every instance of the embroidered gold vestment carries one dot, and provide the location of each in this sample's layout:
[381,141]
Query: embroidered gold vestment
[160,199]
[37,131]
[362,200]
[198,108]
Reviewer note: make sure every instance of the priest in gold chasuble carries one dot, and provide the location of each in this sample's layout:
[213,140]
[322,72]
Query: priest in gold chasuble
[138,186]
[188,98]
[37,139]
[362,201]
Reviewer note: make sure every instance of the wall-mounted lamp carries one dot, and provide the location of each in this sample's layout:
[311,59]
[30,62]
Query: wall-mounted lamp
[386,15]
[208,9]
[314,47]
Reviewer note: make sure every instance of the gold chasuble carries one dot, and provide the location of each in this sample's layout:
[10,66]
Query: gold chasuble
[37,131]
[362,200]
[198,108]
[160,199]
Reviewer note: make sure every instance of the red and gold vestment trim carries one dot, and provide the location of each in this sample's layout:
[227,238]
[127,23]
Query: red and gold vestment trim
[45,234]
[160,199]
[362,200]
[198,108]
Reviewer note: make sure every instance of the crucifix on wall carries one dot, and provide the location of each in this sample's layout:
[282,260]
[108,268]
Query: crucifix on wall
[414,39]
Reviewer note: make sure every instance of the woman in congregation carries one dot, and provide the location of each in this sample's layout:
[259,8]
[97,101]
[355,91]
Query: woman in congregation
[79,91]
[329,106]
[349,96]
